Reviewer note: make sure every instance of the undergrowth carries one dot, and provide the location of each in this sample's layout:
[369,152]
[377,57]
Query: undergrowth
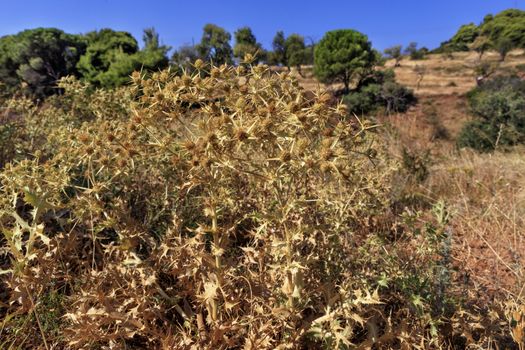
[222,209]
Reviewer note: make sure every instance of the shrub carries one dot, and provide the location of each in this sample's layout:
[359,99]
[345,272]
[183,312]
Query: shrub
[380,91]
[499,106]
[394,53]
[184,211]
[414,52]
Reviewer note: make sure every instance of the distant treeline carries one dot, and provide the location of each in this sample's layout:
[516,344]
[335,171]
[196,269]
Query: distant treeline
[36,58]
[33,60]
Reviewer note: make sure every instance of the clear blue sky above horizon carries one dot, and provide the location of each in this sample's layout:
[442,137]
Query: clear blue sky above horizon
[386,22]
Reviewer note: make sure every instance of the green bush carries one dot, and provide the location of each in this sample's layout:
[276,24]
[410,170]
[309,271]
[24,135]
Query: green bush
[462,40]
[499,107]
[379,91]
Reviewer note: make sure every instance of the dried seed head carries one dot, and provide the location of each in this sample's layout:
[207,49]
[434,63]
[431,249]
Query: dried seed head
[211,137]
[266,124]
[302,145]
[327,154]
[241,134]
[186,80]
[285,156]
[83,138]
[199,63]
[105,160]
[294,107]
[328,132]
[175,160]
[122,162]
[137,119]
[326,167]
[302,117]
[135,77]
[206,162]
[240,70]
[215,72]
[159,97]
[240,103]
[225,120]
[259,69]
[248,58]
[310,163]
[189,145]
[342,110]
[325,98]
[243,89]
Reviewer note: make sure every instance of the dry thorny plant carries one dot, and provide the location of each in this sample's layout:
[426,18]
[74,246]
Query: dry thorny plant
[222,209]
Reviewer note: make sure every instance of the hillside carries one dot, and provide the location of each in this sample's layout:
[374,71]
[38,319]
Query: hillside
[441,74]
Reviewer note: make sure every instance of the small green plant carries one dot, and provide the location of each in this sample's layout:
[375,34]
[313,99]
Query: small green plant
[379,90]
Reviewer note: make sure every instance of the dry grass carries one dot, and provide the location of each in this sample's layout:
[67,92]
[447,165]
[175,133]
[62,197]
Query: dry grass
[487,194]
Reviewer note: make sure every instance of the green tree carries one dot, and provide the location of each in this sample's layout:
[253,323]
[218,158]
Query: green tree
[508,25]
[38,58]
[106,62]
[154,55]
[394,53]
[184,57]
[215,45]
[481,45]
[246,43]
[295,51]
[503,45]
[344,56]
[414,52]
[278,55]
[112,56]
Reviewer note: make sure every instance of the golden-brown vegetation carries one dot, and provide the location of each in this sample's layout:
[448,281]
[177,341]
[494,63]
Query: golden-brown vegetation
[229,209]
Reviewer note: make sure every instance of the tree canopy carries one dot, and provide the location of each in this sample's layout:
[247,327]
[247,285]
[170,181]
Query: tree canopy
[505,30]
[278,55]
[38,58]
[112,56]
[295,49]
[215,45]
[246,43]
[343,56]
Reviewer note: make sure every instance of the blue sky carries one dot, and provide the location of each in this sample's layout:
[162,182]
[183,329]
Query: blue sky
[386,22]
